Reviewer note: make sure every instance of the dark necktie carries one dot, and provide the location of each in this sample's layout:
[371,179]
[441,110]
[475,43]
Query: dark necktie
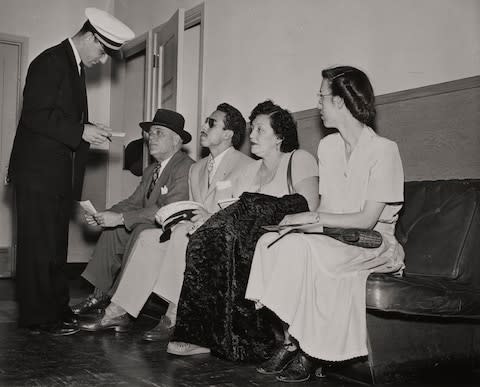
[84,92]
[155,176]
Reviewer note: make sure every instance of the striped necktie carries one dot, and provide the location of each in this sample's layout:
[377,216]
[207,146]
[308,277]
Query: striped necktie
[210,166]
[155,176]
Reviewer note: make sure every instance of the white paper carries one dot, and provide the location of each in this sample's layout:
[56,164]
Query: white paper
[117,134]
[88,207]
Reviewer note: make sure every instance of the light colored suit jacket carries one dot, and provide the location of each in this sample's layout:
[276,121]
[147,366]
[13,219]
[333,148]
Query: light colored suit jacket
[222,186]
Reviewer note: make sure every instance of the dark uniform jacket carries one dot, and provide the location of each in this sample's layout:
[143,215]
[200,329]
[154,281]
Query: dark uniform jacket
[49,141]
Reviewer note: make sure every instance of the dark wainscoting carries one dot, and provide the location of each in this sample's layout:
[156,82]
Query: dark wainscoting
[436,127]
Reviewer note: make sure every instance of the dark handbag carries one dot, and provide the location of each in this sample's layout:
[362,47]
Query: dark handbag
[360,237]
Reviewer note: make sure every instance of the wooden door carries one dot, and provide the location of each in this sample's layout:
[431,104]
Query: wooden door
[168,62]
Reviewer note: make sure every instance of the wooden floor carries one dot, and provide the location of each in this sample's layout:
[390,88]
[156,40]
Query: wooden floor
[109,359]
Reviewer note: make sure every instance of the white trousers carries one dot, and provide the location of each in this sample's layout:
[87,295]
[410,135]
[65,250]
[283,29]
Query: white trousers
[153,267]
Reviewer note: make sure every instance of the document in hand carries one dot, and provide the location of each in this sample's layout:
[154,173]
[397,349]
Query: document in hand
[88,207]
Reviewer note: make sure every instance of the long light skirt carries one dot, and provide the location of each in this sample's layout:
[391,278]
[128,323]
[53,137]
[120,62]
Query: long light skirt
[317,285]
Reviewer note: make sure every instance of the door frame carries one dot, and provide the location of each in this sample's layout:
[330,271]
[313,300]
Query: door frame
[22,43]
[196,17]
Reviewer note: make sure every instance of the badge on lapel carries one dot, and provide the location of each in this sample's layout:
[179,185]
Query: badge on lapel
[164,190]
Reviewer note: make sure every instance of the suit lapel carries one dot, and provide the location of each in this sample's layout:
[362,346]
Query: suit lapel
[203,179]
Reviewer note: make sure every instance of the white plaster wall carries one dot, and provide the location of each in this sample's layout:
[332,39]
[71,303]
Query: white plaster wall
[258,49]
[143,15]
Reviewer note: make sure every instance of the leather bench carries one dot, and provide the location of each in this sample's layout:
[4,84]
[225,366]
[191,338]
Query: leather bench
[430,317]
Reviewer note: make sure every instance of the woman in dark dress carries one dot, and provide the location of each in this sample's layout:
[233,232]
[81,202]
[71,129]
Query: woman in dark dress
[213,314]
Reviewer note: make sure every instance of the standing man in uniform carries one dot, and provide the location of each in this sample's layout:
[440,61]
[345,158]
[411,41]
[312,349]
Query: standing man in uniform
[47,166]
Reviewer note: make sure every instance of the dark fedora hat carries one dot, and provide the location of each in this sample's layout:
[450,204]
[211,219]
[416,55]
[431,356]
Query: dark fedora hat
[133,157]
[171,120]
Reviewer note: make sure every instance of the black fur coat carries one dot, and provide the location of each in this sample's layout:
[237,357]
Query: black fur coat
[213,311]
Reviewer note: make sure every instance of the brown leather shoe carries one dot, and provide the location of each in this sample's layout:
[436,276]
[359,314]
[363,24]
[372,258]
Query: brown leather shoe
[162,331]
[91,304]
[120,323]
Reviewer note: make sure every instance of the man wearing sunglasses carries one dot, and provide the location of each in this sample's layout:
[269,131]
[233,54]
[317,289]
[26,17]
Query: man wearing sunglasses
[47,166]
[161,265]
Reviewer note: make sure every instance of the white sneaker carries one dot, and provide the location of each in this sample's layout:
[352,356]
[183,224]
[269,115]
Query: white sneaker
[185,349]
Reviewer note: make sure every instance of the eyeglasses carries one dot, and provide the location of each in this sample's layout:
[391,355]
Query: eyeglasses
[157,132]
[103,49]
[102,46]
[322,96]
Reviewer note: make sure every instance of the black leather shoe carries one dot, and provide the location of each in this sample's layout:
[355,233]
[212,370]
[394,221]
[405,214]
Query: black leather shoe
[70,318]
[280,359]
[53,329]
[162,331]
[299,370]
[120,323]
[91,304]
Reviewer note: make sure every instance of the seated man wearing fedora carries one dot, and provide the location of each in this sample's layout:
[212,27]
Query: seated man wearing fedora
[158,267]
[163,182]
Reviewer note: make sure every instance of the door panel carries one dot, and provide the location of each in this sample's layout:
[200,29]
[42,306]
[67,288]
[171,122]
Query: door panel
[10,60]
[168,49]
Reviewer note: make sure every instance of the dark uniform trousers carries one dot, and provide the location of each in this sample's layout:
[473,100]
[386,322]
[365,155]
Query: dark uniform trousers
[42,238]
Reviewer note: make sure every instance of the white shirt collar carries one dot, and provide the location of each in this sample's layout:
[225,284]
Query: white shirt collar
[218,160]
[75,52]
[164,163]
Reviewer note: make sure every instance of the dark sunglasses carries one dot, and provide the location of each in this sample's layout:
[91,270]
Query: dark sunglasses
[210,122]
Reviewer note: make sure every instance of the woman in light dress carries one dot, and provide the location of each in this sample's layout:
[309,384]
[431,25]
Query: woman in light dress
[316,284]
[198,329]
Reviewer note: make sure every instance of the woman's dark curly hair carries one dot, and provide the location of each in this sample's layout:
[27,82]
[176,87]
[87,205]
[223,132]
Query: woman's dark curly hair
[282,123]
[354,87]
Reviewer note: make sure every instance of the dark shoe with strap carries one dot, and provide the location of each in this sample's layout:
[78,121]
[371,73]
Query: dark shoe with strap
[280,359]
[92,304]
[162,331]
[299,370]
[120,323]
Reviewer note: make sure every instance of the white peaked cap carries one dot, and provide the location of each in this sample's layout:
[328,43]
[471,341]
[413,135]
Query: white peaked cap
[176,211]
[108,29]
